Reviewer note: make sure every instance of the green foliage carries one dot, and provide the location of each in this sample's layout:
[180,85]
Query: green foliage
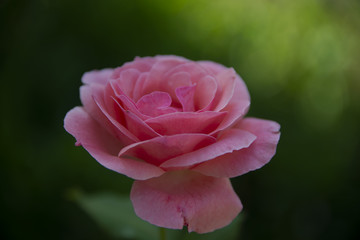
[115,214]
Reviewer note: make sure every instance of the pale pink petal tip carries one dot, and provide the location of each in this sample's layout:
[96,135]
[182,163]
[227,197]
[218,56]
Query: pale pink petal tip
[185,198]
[97,76]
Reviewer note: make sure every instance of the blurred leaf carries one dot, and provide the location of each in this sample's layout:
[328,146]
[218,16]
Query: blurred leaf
[114,213]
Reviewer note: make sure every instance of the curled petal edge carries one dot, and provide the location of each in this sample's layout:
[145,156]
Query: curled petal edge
[105,147]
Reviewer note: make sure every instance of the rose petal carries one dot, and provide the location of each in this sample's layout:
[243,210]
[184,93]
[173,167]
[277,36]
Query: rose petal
[113,91]
[156,80]
[119,128]
[212,67]
[206,84]
[226,84]
[104,147]
[185,198]
[255,156]
[192,70]
[136,125]
[145,65]
[97,76]
[186,122]
[170,58]
[239,103]
[127,81]
[237,107]
[139,64]
[185,95]
[139,86]
[182,75]
[155,104]
[98,111]
[205,93]
[231,140]
[125,121]
[160,149]
[174,82]
[178,79]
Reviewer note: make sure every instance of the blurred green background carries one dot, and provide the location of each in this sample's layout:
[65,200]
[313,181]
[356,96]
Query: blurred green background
[299,59]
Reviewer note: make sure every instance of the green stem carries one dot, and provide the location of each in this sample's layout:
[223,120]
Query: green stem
[162,233]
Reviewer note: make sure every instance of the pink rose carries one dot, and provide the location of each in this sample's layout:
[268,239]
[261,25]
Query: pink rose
[177,128]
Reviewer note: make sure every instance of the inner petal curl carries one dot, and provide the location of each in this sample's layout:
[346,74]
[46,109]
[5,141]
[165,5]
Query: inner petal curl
[155,104]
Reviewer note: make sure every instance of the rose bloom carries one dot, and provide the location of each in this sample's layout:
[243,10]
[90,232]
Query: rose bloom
[177,127]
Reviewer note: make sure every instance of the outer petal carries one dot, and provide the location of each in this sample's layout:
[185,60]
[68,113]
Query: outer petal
[205,92]
[185,198]
[127,81]
[229,141]
[160,149]
[104,147]
[186,122]
[239,102]
[136,125]
[226,84]
[113,91]
[125,120]
[242,161]
[139,64]
[238,105]
[98,112]
[212,67]
[97,76]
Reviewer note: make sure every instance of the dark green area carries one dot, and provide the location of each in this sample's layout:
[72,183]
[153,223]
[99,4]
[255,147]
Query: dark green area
[300,60]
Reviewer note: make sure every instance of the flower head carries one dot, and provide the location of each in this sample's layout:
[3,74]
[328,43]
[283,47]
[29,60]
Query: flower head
[177,127]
